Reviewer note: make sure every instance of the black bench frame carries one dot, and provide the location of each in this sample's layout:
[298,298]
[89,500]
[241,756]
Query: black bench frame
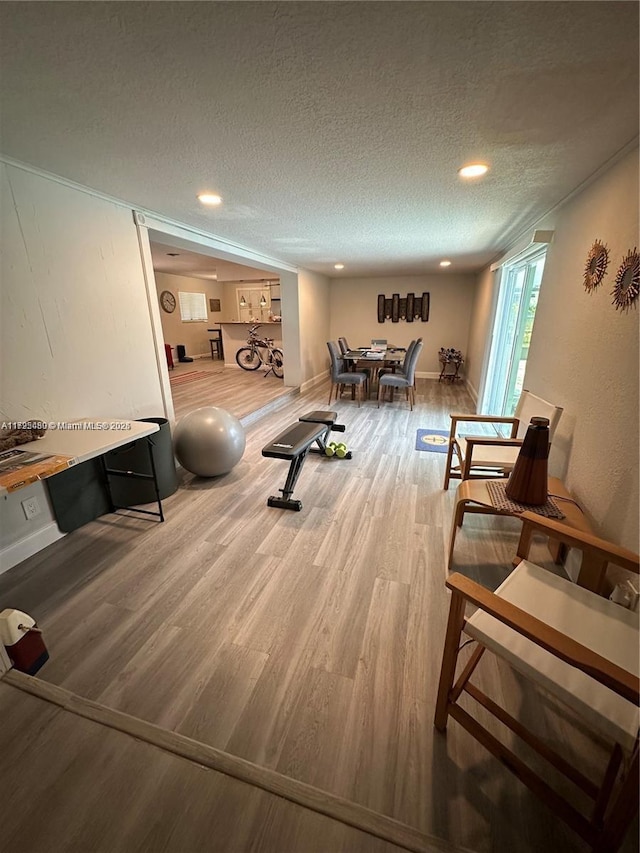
[294,444]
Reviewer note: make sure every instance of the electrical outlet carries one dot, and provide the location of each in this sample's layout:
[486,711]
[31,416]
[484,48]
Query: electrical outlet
[31,508]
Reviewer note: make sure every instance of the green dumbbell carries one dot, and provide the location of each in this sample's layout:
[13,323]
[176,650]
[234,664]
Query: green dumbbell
[341,451]
[330,449]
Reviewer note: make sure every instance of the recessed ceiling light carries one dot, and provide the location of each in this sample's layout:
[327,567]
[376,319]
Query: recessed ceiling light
[338,266]
[474,170]
[209,198]
[445,263]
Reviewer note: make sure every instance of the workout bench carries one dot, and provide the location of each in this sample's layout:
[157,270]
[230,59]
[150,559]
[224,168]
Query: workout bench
[294,443]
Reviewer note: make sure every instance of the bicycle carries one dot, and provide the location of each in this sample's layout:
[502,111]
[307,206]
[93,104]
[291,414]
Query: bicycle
[260,351]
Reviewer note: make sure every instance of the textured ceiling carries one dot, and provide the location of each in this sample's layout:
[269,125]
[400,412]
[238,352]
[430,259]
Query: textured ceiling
[333,130]
[180,261]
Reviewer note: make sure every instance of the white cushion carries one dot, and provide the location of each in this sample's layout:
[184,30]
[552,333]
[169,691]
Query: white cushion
[593,621]
[529,406]
[491,457]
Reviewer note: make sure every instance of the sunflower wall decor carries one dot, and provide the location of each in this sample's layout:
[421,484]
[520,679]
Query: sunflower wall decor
[627,285]
[596,266]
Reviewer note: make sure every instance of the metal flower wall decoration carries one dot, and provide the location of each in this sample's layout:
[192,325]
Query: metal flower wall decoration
[595,266]
[627,284]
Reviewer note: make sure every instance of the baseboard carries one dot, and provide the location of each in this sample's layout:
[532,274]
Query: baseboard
[472,392]
[426,374]
[30,545]
[318,379]
[270,407]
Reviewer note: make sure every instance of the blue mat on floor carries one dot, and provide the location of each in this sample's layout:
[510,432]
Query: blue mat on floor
[434,440]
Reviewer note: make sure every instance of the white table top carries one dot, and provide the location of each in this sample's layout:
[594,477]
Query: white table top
[87,438]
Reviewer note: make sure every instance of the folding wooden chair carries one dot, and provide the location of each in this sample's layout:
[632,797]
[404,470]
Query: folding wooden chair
[483,456]
[578,646]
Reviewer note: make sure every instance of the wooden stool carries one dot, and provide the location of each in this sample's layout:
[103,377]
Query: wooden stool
[216,344]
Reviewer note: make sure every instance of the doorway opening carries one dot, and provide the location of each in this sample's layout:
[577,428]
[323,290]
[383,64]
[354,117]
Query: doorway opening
[199,297]
[511,335]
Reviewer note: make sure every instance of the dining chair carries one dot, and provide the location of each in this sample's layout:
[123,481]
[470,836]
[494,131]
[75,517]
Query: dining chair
[580,650]
[345,348]
[483,456]
[340,376]
[402,368]
[405,380]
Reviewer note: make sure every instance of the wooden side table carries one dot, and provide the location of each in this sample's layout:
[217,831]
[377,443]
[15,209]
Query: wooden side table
[473,496]
[449,377]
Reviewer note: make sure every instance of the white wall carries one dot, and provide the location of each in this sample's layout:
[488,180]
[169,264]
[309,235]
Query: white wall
[480,331]
[194,336]
[354,313]
[314,310]
[291,330]
[584,353]
[76,333]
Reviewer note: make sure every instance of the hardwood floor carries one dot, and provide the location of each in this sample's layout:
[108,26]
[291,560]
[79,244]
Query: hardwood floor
[121,794]
[238,391]
[308,643]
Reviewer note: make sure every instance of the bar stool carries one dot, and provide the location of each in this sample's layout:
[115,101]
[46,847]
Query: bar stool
[216,344]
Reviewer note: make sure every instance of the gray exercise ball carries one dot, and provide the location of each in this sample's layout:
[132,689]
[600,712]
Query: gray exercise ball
[209,441]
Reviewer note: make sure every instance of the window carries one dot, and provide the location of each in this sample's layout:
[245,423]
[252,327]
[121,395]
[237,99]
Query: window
[515,313]
[193,307]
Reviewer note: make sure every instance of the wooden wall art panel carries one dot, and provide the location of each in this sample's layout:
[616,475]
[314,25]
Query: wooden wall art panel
[409,308]
[395,307]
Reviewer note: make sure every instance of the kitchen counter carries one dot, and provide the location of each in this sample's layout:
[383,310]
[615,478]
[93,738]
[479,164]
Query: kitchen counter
[235,334]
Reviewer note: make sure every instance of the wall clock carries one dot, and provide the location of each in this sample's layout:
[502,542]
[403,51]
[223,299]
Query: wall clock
[168,301]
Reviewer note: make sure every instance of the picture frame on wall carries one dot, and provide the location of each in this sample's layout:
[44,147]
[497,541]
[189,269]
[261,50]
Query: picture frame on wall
[214,305]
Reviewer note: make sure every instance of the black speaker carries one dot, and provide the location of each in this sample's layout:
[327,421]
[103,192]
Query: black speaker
[182,353]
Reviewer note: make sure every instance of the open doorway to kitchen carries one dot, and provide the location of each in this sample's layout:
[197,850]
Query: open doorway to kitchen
[512,327]
[258,300]
[201,328]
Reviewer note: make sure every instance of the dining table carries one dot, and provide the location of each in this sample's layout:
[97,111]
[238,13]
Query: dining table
[374,360]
